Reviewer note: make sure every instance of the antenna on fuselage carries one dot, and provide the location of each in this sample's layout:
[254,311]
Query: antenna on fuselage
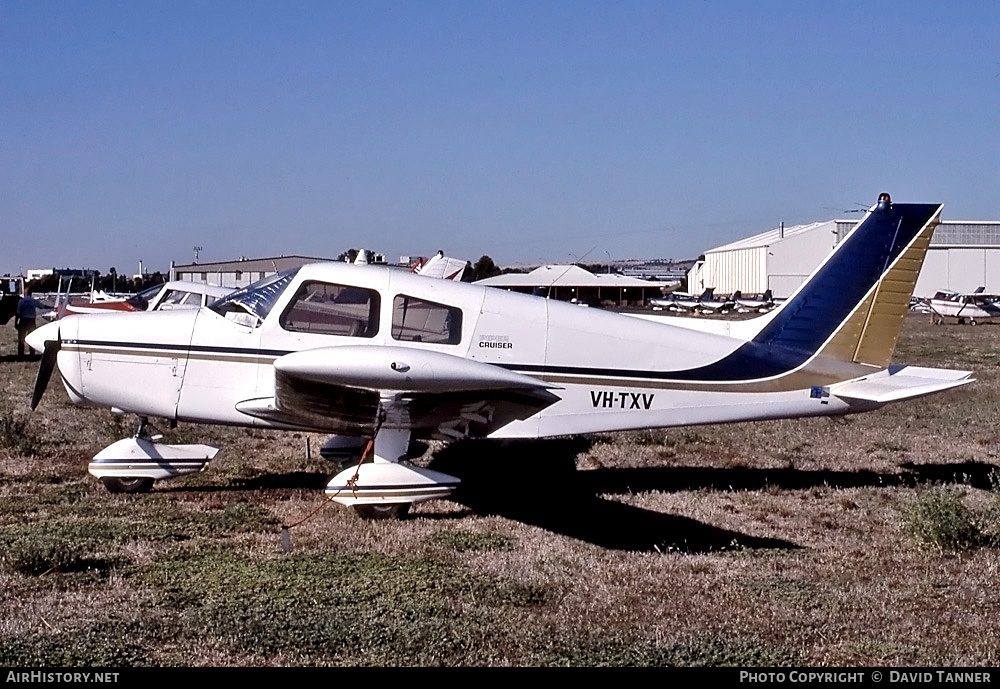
[578,260]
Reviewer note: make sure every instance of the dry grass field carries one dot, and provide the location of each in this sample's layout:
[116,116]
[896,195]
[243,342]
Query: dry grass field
[867,540]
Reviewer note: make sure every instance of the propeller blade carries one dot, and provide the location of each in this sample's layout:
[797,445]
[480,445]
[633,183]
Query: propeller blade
[45,368]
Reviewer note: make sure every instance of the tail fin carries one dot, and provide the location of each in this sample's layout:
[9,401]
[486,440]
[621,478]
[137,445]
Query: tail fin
[851,308]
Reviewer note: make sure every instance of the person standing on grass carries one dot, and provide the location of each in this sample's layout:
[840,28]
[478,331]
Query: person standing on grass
[25,320]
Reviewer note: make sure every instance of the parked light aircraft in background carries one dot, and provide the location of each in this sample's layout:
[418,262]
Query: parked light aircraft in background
[974,308]
[682,301]
[370,352]
[168,296]
[713,304]
[744,304]
[706,302]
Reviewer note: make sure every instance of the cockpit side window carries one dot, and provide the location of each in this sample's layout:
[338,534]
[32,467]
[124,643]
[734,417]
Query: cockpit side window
[328,309]
[416,320]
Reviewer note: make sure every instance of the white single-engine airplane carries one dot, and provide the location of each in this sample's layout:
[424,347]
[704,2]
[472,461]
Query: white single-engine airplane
[974,308]
[682,301]
[370,352]
[762,305]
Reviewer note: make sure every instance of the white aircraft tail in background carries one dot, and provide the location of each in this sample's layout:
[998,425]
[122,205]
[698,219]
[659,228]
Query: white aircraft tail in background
[441,266]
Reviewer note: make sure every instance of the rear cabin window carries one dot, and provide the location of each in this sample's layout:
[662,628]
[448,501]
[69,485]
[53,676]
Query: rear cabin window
[416,320]
[180,298]
[325,309]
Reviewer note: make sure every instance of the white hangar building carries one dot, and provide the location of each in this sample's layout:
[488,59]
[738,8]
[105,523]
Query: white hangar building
[963,255]
[238,273]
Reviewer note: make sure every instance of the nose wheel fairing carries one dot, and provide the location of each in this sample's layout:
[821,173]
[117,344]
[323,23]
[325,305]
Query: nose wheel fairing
[139,457]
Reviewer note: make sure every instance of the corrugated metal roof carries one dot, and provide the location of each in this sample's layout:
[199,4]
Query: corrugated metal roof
[273,264]
[564,276]
[967,233]
[772,236]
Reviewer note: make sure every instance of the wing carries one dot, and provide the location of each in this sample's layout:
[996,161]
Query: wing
[432,394]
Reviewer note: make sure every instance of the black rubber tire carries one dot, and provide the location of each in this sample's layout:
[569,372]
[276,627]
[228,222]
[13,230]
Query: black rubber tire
[387,511]
[115,484]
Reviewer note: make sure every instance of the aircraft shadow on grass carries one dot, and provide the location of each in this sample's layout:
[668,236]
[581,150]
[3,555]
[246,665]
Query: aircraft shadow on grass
[543,487]
[536,482]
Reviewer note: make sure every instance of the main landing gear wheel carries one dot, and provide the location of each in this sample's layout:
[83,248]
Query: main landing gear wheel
[396,510]
[127,485]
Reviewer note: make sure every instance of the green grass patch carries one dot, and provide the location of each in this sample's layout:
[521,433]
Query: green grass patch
[45,554]
[803,594]
[145,519]
[105,643]
[337,608]
[463,541]
[17,434]
[939,518]
[706,652]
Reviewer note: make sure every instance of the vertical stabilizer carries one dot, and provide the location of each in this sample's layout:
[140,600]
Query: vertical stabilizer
[852,307]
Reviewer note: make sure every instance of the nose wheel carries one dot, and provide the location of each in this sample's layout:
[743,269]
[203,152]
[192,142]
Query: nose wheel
[383,512]
[127,485]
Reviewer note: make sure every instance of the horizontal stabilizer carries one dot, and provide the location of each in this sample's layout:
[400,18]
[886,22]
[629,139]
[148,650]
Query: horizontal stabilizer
[894,384]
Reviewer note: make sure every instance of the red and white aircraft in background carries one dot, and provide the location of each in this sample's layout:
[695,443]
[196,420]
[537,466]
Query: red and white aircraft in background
[176,294]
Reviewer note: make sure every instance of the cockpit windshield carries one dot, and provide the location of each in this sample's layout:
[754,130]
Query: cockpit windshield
[250,305]
[141,300]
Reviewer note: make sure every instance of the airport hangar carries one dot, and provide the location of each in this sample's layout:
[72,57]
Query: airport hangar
[963,255]
[238,273]
[571,282]
[244,271]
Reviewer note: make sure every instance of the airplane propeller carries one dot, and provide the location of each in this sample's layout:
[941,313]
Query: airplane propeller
[45,368]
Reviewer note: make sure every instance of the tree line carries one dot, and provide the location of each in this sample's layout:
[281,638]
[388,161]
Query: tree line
[107,282]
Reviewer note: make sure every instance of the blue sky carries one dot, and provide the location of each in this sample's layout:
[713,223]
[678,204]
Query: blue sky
[524,130]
